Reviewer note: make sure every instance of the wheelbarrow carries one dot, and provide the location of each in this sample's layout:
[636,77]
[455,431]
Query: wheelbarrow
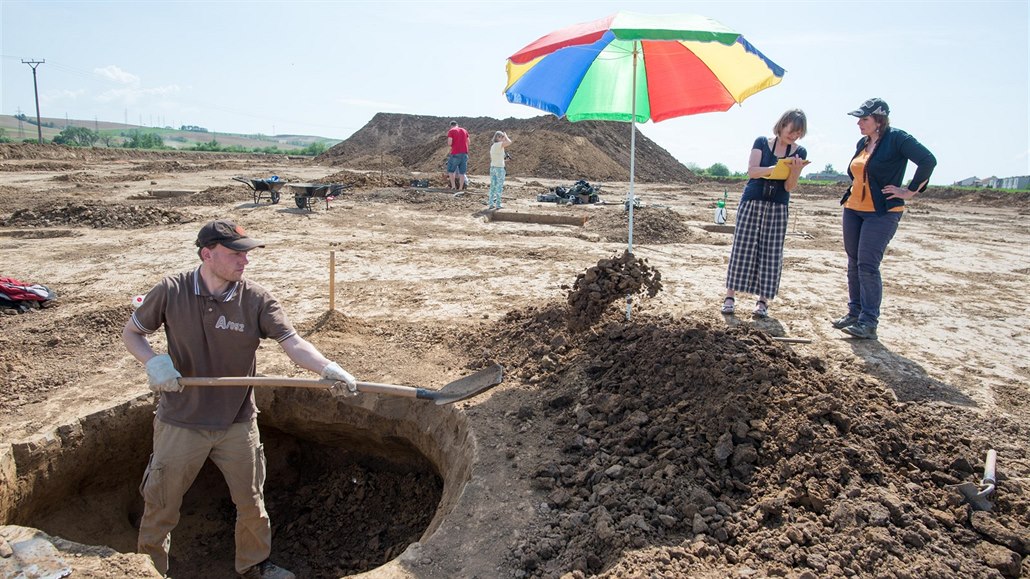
[263,187]
[307,195]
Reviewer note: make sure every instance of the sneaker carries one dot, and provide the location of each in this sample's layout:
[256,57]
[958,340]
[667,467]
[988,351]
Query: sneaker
[267,570]
[845,322]
[761,309]
[728,306]
[861,331]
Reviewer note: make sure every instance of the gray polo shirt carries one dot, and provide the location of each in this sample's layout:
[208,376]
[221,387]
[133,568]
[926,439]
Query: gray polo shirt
[211,336]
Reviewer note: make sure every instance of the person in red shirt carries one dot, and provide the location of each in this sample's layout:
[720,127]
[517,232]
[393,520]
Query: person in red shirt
[457,162]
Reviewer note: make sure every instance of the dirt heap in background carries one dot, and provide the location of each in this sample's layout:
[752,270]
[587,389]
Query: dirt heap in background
[694,450]
[543,146]
[96,216]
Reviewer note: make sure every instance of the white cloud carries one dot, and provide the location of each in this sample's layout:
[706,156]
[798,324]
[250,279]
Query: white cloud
[112,72]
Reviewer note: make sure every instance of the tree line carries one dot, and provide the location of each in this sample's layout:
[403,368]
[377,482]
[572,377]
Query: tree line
[137,139]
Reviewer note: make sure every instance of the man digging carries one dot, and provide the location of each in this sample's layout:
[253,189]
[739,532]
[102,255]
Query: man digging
[213,320]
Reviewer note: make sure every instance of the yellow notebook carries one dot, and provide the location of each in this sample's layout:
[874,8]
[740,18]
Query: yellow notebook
[782,169]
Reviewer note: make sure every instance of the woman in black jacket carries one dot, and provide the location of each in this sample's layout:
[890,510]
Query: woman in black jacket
[873,207]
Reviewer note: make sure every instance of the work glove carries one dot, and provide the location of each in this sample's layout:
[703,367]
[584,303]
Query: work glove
[162,374]
[343,383]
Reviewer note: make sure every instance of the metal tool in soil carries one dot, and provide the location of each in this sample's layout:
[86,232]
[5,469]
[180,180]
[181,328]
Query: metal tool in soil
[976,494]
[456,391]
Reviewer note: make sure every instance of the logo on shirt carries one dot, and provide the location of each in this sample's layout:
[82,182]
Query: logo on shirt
[223,324]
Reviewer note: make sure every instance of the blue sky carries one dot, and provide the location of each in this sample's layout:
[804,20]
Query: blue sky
[954,73]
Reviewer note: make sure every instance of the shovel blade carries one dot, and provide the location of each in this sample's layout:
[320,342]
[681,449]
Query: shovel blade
[467,387]
[975,495]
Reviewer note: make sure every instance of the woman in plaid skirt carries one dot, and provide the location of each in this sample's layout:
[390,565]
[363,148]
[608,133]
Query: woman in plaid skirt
[756,259]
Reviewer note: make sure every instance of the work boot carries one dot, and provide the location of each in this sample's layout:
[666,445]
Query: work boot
[861,331]
[845,321]
[267,570]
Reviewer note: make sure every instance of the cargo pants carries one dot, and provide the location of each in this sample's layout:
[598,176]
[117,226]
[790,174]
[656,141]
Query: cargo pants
[178,455]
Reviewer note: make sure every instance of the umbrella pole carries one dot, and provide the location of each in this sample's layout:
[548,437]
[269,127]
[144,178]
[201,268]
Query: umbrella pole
[632,157]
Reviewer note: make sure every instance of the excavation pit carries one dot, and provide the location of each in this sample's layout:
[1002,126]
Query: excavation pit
[350,483]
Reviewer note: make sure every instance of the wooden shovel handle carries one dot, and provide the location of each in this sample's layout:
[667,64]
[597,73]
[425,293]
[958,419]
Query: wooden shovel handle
[368,387]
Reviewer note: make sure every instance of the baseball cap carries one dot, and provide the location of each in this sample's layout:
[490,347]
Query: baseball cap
[873,106]
[227,233]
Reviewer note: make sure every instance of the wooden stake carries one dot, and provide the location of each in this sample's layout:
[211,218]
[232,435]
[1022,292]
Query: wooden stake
[332,281]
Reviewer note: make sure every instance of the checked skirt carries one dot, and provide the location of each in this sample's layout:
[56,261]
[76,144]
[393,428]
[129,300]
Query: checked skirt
[756,260]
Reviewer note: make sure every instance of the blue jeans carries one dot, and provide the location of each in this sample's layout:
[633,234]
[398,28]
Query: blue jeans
[866,236]
[496,186]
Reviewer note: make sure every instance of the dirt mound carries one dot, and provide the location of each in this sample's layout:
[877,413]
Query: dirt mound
[610,280]
[97,216]
[221,194]
[543,147]
[362,180]
[695,450]
[650,225]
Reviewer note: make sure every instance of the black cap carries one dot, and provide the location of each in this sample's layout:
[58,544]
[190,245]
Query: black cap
[873,106]
[227,233]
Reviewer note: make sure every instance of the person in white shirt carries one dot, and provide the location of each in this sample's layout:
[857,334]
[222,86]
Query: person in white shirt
[497,155]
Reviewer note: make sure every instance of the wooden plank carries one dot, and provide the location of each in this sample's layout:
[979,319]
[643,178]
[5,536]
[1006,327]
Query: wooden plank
[719,228]
[543,218]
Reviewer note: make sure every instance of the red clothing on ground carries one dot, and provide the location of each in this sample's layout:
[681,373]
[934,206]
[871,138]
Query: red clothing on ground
[459,140]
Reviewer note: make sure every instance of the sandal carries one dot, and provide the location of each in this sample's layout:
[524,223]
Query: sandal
[761,309]
[728,305]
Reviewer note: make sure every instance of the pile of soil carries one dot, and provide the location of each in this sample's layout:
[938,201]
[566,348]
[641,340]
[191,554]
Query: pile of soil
[96,216]
[364,180]
[610,280]
[652,225]
[719,452]
[542,147]
[220,195]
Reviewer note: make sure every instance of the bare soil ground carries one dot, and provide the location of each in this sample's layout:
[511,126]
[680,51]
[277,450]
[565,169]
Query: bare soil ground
[677,443]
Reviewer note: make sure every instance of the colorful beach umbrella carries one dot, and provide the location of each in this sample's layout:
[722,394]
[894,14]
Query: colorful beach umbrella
[638,67]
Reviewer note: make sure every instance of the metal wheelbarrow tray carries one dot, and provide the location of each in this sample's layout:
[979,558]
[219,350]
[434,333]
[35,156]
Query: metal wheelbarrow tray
[307,195]
[262,187]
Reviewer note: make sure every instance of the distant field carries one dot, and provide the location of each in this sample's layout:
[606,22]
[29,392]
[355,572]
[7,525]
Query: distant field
[20,130]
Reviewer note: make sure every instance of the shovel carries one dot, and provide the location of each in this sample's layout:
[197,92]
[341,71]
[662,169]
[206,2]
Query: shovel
[976,494]
[460,389]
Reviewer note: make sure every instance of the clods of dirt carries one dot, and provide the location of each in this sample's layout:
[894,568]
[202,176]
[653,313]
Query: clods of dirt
[688,449]
[611,279]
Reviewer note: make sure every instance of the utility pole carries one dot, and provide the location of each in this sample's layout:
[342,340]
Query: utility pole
[35,87]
